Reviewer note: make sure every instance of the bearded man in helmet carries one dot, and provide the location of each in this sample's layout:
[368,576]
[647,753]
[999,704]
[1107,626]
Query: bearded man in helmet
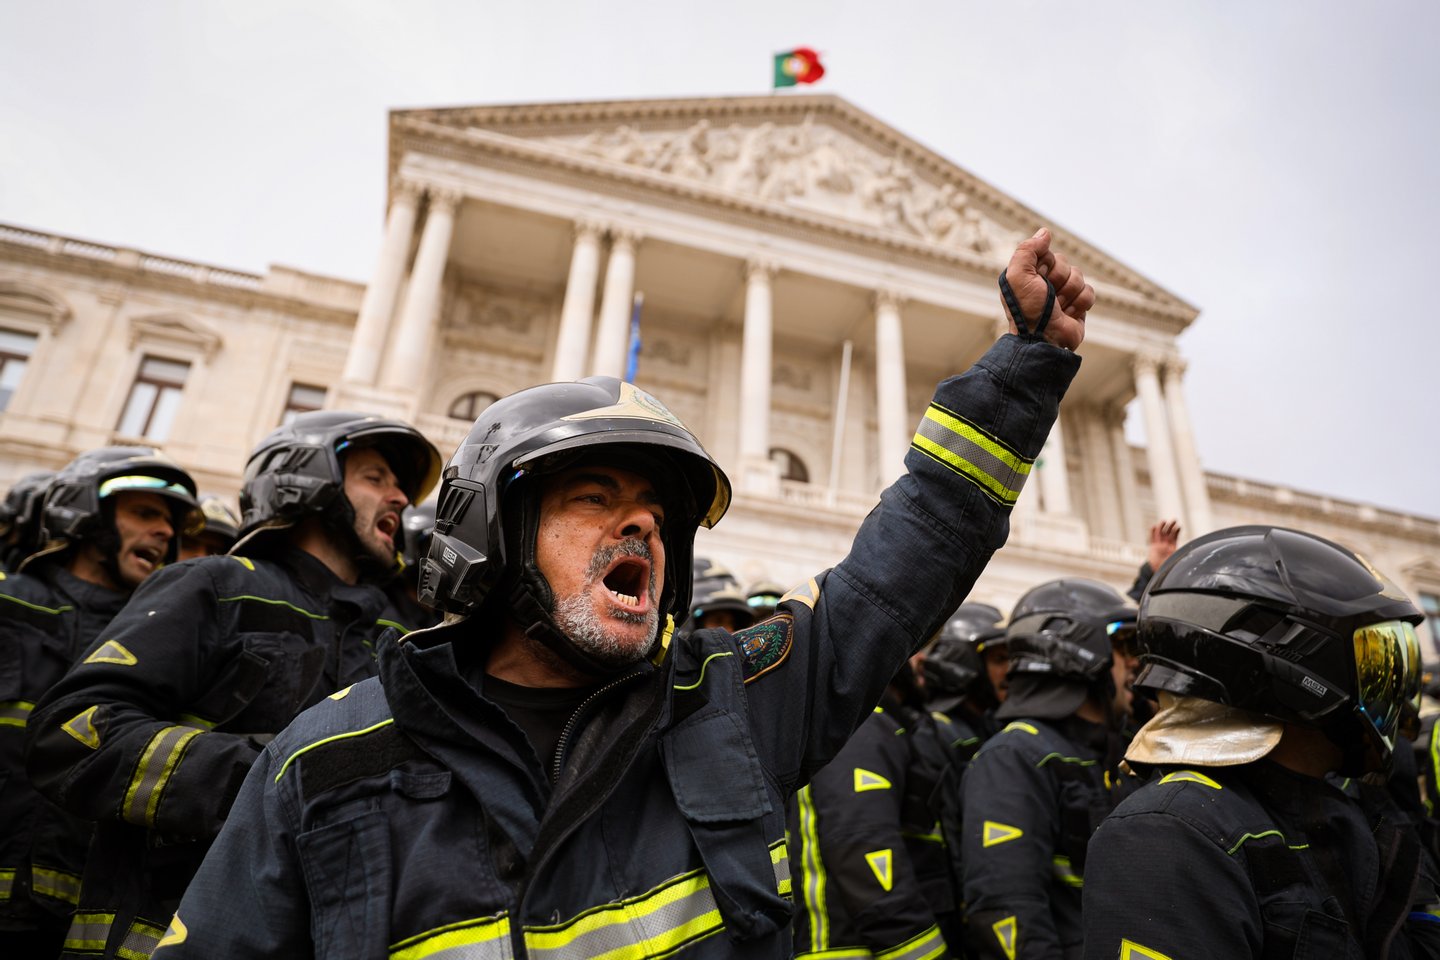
[543,774]
[153,731]
[1278,657]
[87,537]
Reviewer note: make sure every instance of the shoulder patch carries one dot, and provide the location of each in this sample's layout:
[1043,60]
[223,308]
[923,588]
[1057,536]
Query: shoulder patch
[1130,950]
[113,651]
[868,780]
[1190,776]
[765,645]
[1006,934]
[993,833]
[82,727]
[882,865]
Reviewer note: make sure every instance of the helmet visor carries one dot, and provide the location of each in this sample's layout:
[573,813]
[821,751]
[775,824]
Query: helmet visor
[1387,674]
[188,517]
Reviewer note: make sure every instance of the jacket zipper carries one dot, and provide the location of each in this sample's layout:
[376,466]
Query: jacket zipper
[557,762]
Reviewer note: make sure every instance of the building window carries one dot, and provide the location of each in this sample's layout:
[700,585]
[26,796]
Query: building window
[154,399]
[303,399]
[15,350]
[791,466]
[470,405]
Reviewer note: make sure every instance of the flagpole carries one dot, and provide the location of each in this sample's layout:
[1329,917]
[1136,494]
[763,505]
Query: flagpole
[839,434]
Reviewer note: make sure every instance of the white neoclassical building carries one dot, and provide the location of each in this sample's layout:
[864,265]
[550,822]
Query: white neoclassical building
[804,274]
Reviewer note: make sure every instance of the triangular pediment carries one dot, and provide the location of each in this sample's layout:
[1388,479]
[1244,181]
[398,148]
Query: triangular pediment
[815,156]
[176,329]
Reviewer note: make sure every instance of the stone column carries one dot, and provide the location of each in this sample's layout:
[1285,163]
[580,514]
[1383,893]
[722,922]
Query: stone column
[613,333]
[1134,529]
[895,427]
[367,345]
[577,314]
[756,346]
[1187,460]
[410,352]
[1164,482]
[1106,520]
[1055,473]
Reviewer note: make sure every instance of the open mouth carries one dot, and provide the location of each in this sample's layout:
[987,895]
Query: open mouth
[628,582]
[148,556]
[389,525]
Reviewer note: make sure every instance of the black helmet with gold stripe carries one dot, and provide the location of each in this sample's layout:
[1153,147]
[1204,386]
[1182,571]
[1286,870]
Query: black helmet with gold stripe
[487,517]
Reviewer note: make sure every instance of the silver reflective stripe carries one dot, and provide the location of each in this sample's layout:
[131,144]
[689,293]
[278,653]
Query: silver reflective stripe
[157,762]
[677,913]
[55,883]
[15,713]
[89,931]
[923,946]
[485,939]
[140,942]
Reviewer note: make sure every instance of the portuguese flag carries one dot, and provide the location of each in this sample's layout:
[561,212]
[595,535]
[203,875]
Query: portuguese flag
[801,65]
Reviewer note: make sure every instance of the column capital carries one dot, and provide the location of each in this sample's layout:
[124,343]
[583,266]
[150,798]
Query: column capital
[588,227]
[403,188]
[1175,367]
[1114,414]
[1147,361]
[888,297]
[445,198]
[761,267]
[625,237]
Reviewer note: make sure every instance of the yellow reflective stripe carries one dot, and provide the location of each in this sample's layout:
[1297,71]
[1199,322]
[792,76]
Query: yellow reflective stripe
[679,912]
[1022,726]
[925,945]
[191,720]
[706,663]
[14,713]
[812,873]
[142,797]
[485,938]
[56,884]
[840,953]
[382,622]
[1064,759]
[274,603]
[140,941]
[319,743]
[998,472]
[7,883]
[1190,776]
[243,562]
[1268,833]
[89,931]
[35,606]
[1065,872]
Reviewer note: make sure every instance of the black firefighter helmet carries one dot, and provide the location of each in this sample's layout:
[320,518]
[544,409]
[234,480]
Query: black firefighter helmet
[487,517]
[953,668]
[75,507]
[20,515]
[298,469]
[1061,648]
[1291,626]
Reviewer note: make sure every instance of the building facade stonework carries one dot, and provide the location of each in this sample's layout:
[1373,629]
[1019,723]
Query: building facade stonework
[807,272]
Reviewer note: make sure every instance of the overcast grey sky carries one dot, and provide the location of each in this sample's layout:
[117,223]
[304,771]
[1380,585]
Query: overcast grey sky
[1272,163]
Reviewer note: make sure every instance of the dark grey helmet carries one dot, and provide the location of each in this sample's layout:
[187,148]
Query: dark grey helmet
[219,518]
[1063,629]
[297,469]
[487,516]
[20,516]
[953,668]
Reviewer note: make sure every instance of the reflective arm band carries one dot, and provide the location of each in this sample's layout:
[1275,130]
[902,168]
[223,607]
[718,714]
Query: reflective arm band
[965,449]
[152,773]
[15,713]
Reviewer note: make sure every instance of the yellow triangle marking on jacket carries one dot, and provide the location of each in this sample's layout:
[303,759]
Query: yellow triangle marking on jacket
[868,780]
[175,934]
[807,593]
[1007,932]
[1130,950]
[882,865]
[112,651]
[82,727]
[993,833]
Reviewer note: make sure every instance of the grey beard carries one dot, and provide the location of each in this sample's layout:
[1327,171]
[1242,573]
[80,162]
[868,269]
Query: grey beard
[578,619]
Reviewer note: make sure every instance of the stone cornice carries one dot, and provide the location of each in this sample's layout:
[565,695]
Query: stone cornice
[451,134]
[136,268]
[1224,488]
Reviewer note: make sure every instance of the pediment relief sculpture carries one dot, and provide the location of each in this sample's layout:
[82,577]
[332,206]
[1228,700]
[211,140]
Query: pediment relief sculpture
[809,165]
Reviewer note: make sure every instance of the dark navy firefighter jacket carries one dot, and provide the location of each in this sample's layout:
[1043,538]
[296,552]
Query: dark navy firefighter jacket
[407,816]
